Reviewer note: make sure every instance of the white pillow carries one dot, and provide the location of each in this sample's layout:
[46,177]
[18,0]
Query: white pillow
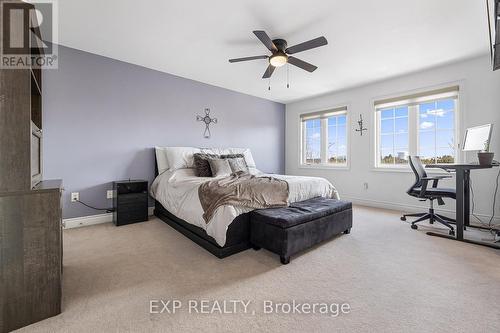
[249,158]
[161,159]
[180,157]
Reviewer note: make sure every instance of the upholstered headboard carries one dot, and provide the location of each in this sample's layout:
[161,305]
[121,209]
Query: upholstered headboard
[156,163]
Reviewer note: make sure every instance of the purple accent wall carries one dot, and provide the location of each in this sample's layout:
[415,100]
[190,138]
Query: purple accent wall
[102,118]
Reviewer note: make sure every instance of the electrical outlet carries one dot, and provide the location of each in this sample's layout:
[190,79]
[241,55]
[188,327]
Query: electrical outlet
[75,196]
[110,194]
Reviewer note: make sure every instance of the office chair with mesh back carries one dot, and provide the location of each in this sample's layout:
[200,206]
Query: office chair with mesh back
[423,192]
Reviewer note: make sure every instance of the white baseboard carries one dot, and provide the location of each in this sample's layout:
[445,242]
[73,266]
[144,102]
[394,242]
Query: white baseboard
[409,208]
[84,221]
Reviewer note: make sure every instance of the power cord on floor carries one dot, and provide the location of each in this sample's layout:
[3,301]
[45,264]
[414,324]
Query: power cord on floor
[108,210]
[489,224]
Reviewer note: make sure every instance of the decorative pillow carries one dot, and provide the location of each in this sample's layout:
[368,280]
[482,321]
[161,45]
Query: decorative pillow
[238,164]
[232,156]
[202,167]
[180,157]
[236,161]
[220,167]
[226,151]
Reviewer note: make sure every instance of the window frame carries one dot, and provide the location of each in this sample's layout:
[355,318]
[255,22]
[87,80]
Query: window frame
[413,121]
[342,109]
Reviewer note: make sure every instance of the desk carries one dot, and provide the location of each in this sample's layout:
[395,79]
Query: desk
[462,179]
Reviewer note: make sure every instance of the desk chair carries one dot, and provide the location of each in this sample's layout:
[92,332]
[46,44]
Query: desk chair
[421,191]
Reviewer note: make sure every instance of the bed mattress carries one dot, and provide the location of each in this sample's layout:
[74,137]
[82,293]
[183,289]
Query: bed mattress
[177,191]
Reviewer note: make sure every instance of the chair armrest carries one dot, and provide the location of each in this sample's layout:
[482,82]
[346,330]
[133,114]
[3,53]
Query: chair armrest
[435,180]
[435,177]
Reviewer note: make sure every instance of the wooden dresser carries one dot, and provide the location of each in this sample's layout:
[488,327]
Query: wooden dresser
[31,255]
[30,207]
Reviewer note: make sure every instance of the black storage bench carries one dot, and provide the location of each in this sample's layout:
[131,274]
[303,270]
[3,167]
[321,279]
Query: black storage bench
[289,230]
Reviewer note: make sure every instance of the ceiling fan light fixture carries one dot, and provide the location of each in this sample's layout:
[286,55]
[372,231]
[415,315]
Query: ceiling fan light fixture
[278,59]
[280,53]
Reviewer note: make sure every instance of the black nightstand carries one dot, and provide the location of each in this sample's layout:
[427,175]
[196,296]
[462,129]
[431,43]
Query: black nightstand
[130,201]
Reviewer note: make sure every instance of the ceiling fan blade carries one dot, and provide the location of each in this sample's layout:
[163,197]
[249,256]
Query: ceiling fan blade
[313,43]
[302,64]
[248,58]
[264,38]
[269,71]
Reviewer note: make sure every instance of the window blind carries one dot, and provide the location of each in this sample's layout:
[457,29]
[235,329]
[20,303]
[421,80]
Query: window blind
[413,99]
[323,114]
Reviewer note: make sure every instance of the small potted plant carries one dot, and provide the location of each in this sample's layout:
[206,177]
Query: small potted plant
[484,156]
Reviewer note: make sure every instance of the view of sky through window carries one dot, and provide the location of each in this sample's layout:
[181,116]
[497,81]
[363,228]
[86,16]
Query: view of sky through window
[313,141]
[325,139]
[433,133]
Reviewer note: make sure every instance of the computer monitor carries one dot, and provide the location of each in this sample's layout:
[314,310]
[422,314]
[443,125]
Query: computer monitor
[477,138]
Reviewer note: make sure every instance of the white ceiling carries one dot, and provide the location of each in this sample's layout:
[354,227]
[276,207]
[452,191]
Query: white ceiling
[369,40]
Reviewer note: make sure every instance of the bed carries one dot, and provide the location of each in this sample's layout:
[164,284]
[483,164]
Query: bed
[175,190]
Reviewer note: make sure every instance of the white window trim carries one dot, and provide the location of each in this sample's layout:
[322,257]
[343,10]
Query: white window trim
[325,166]
[459,126]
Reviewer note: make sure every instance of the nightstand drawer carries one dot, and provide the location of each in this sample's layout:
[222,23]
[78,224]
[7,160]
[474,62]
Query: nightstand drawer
[131,187]
[132,216]
[132,198]
[140,206]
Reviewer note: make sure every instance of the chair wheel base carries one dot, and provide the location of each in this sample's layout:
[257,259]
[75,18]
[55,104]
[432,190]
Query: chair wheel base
[414,226]
[403,218]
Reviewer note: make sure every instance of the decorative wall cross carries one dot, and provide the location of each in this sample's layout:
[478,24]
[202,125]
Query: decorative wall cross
[360,124]
[207,120]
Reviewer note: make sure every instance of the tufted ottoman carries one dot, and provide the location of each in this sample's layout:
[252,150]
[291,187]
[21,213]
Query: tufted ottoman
[289,230]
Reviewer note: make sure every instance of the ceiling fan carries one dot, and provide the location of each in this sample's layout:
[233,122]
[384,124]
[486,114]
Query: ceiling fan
[281,53]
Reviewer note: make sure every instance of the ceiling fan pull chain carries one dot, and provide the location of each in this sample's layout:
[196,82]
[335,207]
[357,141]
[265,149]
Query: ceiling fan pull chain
[287,75]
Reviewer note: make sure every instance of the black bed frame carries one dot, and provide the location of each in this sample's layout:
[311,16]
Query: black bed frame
[237,236]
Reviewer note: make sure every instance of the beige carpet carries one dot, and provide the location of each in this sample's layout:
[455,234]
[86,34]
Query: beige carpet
[394,278]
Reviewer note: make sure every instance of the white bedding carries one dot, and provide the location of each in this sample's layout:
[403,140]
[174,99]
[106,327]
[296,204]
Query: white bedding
[177,191]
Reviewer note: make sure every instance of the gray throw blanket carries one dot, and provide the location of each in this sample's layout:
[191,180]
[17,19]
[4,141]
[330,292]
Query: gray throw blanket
[244,190]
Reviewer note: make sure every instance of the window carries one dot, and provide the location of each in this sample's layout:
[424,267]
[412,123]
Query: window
[436,131]
[394,142]
[324,138]
[312,141]
[423,125]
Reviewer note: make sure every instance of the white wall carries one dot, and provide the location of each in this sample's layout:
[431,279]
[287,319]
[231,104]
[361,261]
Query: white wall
[479,102]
